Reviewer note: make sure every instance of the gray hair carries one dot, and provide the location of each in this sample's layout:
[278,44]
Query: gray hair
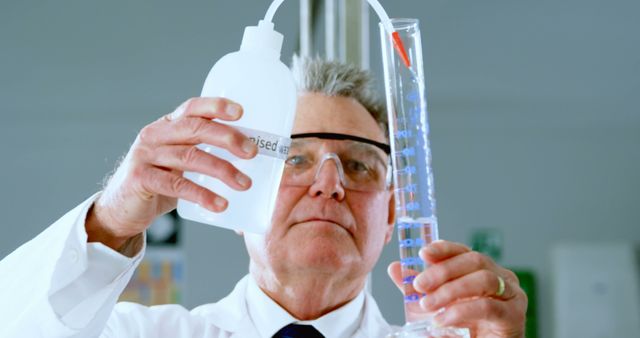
[332,78]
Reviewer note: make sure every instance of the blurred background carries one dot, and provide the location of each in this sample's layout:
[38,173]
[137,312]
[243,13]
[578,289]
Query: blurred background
[533,110]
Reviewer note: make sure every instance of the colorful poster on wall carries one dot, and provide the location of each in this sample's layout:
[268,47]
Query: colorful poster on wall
[160,277]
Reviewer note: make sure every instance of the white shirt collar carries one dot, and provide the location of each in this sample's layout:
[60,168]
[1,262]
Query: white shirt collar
[269,317]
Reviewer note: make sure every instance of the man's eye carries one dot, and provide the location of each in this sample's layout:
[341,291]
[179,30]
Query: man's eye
[357,167]
[296,160]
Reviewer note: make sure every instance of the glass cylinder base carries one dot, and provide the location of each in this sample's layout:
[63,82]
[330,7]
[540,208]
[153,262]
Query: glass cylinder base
[427,329]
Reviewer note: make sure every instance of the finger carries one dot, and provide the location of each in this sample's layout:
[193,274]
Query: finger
[395,272]
[190,158]
[191,131]
[441,250]
[462,264]
[208,108]
[482,283]
[170,184]
[404,281]
[469,312]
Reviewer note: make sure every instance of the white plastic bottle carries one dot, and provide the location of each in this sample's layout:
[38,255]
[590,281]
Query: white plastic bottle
[254,77]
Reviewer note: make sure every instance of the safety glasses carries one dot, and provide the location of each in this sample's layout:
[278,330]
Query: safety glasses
[361,164]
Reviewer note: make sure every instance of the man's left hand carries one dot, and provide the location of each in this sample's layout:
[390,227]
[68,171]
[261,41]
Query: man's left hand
[464,288]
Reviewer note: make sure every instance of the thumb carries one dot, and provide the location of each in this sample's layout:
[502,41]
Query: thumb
[395,272]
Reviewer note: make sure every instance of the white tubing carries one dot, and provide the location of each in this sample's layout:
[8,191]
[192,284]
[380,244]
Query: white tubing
[377,7]
[384,18]
[272,10]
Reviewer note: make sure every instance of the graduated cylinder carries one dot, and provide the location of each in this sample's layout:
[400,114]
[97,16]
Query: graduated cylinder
[409,133]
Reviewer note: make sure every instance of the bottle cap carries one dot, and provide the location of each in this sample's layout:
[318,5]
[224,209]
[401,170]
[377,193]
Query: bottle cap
[262,38]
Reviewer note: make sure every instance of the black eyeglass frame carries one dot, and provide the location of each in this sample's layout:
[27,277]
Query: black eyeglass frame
[336,136]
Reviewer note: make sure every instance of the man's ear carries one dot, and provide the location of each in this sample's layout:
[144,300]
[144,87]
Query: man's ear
[391,217]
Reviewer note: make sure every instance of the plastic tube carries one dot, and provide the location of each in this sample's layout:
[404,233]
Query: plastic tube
[382,14]
[386,22]
[272,10]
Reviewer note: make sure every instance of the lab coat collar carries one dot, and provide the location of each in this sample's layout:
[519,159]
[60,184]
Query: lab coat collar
[373,324]
[231,314]
[269,317]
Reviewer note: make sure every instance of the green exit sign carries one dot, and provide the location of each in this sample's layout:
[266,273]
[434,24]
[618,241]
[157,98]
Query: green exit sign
[487,241]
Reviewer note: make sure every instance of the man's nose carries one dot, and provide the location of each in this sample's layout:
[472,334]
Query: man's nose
[328,183]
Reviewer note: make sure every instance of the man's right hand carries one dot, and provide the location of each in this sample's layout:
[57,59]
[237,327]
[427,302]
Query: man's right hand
[149,180]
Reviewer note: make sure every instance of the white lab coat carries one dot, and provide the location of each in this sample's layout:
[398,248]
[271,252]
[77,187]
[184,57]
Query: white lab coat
[44,292]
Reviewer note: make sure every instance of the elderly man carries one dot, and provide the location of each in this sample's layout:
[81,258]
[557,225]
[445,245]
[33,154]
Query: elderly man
[334,214]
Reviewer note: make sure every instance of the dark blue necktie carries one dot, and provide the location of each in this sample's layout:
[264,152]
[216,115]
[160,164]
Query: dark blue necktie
[298,331]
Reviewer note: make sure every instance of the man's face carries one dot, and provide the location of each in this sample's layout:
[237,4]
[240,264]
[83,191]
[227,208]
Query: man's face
[325,228]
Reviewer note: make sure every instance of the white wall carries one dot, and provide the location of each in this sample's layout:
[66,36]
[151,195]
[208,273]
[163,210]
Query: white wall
[534,122]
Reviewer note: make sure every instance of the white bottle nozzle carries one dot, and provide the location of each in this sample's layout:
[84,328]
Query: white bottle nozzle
[262,38]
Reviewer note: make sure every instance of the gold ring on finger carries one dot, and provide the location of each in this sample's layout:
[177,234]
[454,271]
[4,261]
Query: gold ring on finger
[501,287]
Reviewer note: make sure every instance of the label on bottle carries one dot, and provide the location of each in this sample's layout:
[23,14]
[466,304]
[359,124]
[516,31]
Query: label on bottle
[268,144]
